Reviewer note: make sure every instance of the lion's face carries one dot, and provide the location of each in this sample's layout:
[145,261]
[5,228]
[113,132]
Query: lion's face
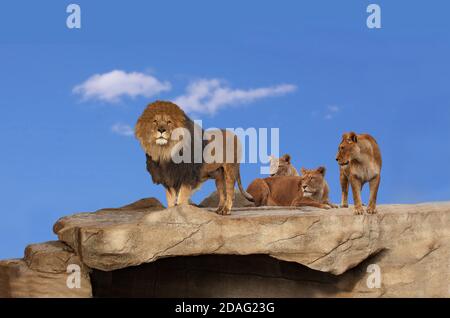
[281,166]
[161,129]
[155,127]
[313,182]
[348,149]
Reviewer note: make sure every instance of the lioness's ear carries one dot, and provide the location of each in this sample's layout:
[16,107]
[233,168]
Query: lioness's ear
[286,158]
[303,171]
[353,137]
[322,170]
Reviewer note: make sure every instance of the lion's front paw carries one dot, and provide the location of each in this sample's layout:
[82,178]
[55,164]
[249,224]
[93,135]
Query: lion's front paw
[223,211]
[371,210]
[219,210]
[344,205]
[334,206]
[358,210]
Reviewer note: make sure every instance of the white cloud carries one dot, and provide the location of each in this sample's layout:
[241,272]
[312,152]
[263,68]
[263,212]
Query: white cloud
[111,86]
[122,129]
[333,108]
[210,95]
[331,111]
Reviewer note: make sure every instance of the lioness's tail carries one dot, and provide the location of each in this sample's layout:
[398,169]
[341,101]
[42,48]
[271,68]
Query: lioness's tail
[244,193]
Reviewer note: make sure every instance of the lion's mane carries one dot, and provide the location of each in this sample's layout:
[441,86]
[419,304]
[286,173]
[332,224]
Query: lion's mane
[159,162]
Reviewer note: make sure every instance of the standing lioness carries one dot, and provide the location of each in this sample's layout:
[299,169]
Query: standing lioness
[359,158]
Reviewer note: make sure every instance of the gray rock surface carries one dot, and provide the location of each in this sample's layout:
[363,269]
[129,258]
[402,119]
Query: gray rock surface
[255,252]
[239,201]
[43,273]
[414,239]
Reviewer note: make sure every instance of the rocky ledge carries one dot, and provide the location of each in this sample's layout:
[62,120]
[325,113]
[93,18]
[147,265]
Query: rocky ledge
[326,251]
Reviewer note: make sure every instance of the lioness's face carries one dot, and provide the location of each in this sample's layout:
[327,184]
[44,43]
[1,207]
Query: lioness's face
[348,149]
[283,167]
[280,166]
[161,129]
[312,181]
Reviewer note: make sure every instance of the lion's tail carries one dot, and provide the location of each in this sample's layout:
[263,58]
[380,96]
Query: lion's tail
[247,195]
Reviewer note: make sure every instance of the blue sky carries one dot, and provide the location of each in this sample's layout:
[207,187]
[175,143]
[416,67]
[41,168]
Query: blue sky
[61,155]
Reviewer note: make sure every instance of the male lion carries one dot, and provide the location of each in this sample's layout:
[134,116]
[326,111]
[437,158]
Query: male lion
[359,158]
[159,129]
[282,166]
[310,189]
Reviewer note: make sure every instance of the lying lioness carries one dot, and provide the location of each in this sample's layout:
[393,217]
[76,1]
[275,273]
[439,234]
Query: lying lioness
[275,191]
[359,158]
[310,189]
[315,190]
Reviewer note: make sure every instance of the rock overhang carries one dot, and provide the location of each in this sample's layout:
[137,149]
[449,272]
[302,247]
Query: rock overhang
[332,241]
[410,244]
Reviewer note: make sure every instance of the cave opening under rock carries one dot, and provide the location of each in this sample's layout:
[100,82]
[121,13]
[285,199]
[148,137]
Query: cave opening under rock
[223,276]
